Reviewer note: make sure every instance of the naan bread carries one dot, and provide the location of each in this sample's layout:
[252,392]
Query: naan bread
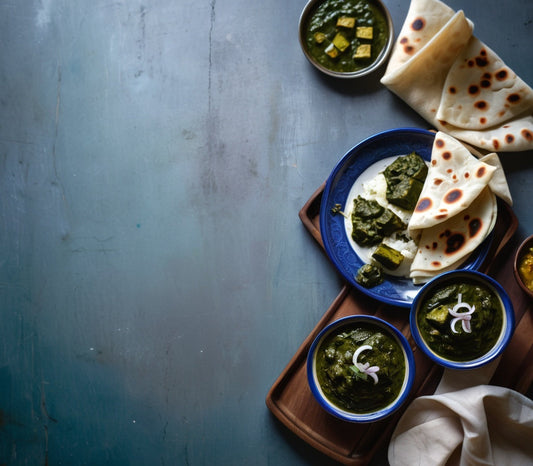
[457,83]
[446,245]
[455,179]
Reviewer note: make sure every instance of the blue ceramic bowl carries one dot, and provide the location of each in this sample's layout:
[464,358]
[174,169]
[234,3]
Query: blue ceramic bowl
[462,276]
[339,412]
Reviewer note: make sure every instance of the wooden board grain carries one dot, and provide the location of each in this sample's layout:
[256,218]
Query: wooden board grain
[292,402]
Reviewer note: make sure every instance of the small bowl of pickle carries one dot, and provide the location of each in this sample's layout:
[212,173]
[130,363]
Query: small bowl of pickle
[523,266]
[346,38]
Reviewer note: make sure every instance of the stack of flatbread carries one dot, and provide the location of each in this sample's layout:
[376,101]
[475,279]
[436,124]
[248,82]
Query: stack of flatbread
[457,83]
[457,207]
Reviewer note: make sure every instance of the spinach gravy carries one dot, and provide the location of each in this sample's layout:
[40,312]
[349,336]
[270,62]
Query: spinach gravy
[346,35]
[344,384]
[459,339]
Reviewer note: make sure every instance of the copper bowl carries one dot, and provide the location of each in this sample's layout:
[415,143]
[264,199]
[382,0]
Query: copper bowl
[526,245]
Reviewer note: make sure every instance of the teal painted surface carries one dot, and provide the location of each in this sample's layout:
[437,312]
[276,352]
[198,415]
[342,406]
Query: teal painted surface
[155,278]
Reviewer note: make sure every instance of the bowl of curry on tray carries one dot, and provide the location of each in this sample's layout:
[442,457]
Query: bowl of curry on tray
[346,38]
[462,319]
[523,266]
[360,368]
[406,205]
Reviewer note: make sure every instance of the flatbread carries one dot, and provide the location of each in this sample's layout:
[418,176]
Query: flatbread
[419,79]
[480,91]
[457,83]
[446,245]
[424,19]
[455,179]
[498,183]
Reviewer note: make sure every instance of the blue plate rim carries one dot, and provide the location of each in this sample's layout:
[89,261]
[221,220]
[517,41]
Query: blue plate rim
[473,263]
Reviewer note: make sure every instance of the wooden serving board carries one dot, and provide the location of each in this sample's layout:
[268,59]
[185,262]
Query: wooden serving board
[292,402]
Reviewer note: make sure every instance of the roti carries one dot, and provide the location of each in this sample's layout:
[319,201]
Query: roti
[446,245]
[457,83]
[480,91]
[455,179]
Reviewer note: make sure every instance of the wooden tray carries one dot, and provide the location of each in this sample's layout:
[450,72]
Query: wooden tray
[290,398]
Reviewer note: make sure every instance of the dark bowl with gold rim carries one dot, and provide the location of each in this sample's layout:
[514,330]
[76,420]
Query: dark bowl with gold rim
[346,38]
[523,266]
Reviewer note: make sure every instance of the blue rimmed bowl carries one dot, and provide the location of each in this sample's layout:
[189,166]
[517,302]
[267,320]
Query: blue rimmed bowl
[462,332]
[321,390]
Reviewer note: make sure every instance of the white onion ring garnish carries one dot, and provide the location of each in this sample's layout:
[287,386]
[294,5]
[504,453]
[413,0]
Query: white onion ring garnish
[371,371]
[464,317]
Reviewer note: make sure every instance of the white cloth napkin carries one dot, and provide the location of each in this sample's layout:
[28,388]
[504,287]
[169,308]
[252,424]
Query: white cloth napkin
[466,422]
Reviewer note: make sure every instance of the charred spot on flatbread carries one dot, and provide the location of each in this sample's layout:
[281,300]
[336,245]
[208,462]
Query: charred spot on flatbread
[526,134]
[474,227]
[418,24]
[480,172]
[453,196]
[481,105]
[509,138]
[501,75]
[513,98]
[454,243]
[439,143]
[495,144]
[473,89]
[446,155]
[423,204]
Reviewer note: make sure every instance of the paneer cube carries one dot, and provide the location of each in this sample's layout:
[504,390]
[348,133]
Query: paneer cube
[363,51]
[438,316]
[346,22]
[332,51]
[320,37]
[364,32]
[340,42]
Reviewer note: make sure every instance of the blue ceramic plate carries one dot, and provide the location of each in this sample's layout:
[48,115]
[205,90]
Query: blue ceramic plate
[347,174]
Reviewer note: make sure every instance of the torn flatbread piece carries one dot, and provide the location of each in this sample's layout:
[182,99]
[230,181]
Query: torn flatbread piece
[498,183]
[455,179]
[480,91]
[457,83]
[446,245]
[424,20]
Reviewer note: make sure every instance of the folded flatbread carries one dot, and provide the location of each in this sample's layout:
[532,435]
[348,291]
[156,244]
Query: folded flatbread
[454,180]
[457,83]
[447,244]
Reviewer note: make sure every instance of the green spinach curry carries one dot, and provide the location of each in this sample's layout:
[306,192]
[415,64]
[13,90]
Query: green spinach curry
[461,321]
[349,387]
[346,35]
[372,223]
